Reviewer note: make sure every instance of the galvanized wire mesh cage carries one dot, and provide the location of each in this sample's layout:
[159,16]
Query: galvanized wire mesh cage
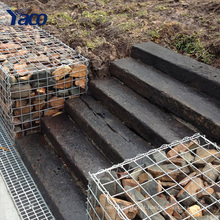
[177,181]
[37,74]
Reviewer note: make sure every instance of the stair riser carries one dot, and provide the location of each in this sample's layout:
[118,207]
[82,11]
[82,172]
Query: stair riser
[93,134]
[181,68]
[165,101]
[58,149]
[129,119]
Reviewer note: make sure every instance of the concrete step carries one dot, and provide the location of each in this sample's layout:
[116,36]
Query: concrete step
[57,186]
[199,75]
[147,120]
[73,146]
[110,135]
[171,94]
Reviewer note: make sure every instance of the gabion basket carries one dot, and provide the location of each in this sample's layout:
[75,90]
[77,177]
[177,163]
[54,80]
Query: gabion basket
[177,181]
[37,74]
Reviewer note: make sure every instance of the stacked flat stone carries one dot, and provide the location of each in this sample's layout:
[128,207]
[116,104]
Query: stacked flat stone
[37,74]
[182,182]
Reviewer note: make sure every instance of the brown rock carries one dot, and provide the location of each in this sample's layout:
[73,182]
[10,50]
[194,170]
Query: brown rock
[150,186]
[38,105]
[81,82]
[136,173]
[25,78]
[130,212]
[16,121]
[190,190]
[57,102]
[42,59]
[60,72]
[9,47]
[22,52]
[184,181]
[3,58]
[216,162]
[195,211]
[41,91]
[21,68]
[168,184]
[79,70]
[64,84]
[17,131]
[178,161]
[206,155]
[22,107]
[177,215]
[36,115]
[205,192]
[176,150]
[132,183]
[171,206]
[97,215]
[167,171]
[144,177]
[193,144]
[48,112]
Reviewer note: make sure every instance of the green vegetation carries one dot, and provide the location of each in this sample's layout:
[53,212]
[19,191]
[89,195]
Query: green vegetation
[154,34]
[96,17]
[191,45]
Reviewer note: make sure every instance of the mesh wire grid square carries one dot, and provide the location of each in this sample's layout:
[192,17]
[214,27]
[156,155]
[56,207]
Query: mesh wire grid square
[4,16]
[25,194]
[37,74]
[177,181]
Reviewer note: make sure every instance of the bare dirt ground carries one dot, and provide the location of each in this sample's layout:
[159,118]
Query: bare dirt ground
[104,30]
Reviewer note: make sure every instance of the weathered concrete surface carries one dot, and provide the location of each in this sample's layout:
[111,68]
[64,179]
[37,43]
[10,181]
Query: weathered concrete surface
[161,89]
[57,186]
[73,146]
[199,75]
[150,122]
[8,210]
[114,138]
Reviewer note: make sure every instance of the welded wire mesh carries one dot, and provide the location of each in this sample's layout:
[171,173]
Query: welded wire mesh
[25,194]
[4,16]
[37,74]
[177,181]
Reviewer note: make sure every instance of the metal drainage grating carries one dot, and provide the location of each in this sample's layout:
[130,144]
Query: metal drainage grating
[27,198]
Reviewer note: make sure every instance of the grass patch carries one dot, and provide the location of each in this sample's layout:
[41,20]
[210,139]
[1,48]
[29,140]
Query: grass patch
[191,45]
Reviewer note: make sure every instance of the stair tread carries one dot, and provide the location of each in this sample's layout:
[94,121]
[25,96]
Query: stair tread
[146,79]
[108,132]
[137,112]
[201,76]
[73,146]
[61,193]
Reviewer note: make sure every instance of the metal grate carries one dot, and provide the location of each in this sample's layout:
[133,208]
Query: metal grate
[27,198]
[37,74]
[177,181]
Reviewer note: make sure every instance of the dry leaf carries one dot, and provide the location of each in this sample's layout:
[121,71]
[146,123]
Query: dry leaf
[4,148]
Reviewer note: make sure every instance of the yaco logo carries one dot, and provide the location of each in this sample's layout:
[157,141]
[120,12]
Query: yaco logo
[25,19]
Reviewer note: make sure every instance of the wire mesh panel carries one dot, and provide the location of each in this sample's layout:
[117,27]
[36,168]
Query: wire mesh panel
[37,74]
[177,181]
[4,16]
[25,194]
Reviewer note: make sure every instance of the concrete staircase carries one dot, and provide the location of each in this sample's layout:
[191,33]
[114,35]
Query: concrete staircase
[154,97]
